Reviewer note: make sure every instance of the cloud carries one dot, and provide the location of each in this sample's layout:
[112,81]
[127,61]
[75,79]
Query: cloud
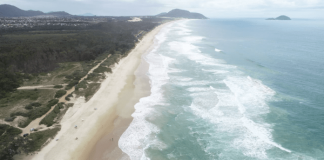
[245,4]
[212,8]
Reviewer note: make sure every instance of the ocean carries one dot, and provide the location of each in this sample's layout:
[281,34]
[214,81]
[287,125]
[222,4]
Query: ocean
[229,89]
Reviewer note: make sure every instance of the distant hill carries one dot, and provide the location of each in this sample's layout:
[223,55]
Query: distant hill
[87,14]
[59,14]
[12,11]
[178,13]
[162,14]
[282,17]
[7,10]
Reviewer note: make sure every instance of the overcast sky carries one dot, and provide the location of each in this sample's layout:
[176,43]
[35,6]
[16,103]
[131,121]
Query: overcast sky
[210,8]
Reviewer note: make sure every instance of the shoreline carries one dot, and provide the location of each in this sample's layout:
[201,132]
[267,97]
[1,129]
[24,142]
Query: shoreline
[108,114]
[139,87]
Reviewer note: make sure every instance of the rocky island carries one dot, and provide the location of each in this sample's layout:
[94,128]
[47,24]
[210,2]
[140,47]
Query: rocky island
[178,13]
[282,17]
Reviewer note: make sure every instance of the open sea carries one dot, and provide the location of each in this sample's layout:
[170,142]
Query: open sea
[232,89]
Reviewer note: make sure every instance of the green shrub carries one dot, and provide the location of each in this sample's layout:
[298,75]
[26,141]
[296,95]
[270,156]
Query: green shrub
[109,70]
[49,119]
[68,97]
[58,86]
[3,128]
[14,114]
[94,77]
[9,80]
[52,102]
[91,75]
[102,69]
[13,131]
[71,84]
[29,107]
[60,93]
[36,104]
[69,77]
[36,113]
[82,84]
[93,88]
[24,123]
[111,60]
[56,110]
[37,139]
[10,119]
[61,105]
[76,75]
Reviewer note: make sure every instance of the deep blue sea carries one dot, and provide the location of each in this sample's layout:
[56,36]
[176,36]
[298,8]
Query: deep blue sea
[232,89]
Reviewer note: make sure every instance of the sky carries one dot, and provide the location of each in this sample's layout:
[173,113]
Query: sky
[210,8]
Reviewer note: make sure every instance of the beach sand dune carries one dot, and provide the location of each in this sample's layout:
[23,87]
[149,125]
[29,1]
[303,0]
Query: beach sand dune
[103,119]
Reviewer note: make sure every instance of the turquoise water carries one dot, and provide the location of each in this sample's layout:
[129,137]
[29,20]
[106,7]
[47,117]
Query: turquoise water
[232,89]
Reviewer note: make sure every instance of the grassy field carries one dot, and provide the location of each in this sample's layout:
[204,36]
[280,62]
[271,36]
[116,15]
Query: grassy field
[18,100]
[55,77]
[89,91]
[68,73]
[37,140]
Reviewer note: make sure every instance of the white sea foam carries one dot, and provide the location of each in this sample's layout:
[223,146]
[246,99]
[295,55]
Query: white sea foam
[175,70]
[137,137]
[180,78]
[216,71]
[183,31]
[193,53]
[181,28]
[194,83]
[217,50]
[233,113]
[192,39]
[239,113]
[198,89]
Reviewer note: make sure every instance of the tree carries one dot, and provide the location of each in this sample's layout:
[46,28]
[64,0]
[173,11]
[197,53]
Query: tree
[8,81]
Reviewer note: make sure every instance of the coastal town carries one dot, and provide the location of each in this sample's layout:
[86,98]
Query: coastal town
[31,22]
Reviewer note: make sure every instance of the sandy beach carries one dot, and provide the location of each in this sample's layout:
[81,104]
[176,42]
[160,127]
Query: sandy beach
[103,119]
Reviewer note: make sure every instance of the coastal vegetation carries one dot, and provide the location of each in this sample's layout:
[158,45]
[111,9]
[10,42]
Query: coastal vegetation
[11,143]
[49,120]
[26,55]
[34,113]
[55,58]
[60,93]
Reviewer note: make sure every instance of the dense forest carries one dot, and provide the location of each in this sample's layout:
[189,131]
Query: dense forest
[37,50]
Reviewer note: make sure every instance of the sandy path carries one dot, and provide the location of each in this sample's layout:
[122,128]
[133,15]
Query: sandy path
[37,87]
[109,102]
